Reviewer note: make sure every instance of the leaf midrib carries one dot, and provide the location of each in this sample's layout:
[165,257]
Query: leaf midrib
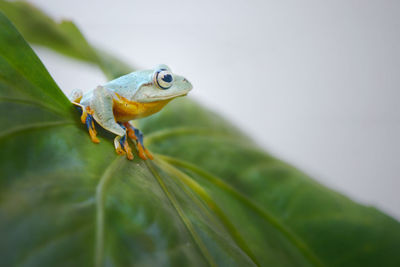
[182,216]
[201,192]
[292,237]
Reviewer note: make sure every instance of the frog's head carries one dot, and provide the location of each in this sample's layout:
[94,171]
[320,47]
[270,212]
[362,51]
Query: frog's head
[162,84]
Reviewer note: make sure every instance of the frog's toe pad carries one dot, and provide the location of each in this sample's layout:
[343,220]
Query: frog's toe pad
[128,151]
[141,151]
[93,135]
[122,147]
[148,154]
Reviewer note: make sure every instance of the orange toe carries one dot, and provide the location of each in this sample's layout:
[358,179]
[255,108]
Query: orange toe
[120,151]
[131,133]
[83,117]
[93,136]
[141,151]
[148,154]
[128,151]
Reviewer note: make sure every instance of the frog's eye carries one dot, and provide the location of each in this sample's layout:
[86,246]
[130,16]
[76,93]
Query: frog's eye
[163,79]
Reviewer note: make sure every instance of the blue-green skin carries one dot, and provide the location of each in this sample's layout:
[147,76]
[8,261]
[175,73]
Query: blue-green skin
[138,86]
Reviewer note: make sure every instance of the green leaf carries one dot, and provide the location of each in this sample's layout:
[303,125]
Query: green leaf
[210,197]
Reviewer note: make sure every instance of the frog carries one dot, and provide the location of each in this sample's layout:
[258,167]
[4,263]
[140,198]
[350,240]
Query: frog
[132,96]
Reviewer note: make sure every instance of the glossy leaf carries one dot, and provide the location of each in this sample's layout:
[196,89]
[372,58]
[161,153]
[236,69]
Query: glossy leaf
[211,196]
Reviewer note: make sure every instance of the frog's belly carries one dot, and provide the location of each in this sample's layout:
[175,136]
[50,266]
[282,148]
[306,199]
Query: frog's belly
[126,110]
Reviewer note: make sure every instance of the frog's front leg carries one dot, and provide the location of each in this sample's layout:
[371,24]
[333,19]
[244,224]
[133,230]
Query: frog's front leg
[102,105]
[137,136]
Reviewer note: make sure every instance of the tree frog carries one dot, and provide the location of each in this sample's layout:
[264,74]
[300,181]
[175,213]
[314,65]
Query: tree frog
[129,97]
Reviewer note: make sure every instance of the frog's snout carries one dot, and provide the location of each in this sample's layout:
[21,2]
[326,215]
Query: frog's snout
[188,85]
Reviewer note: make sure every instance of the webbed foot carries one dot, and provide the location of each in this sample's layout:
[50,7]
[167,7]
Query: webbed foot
[122,147]
[87,118]
[137,136]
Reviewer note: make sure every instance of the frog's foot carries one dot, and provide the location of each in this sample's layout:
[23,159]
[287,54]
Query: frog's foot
[122,147]
[137,136]
[82,108]
[87,118]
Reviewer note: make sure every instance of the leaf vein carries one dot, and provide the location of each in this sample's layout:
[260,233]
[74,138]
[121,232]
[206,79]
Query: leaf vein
[292,237]
[182,216]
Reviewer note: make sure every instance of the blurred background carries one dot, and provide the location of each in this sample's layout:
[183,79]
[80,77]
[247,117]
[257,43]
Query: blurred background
[316,83]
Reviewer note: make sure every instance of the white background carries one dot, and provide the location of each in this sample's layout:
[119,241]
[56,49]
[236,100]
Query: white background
[316,83]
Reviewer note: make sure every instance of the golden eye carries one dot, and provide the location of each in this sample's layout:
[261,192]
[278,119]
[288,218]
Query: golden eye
[163,79]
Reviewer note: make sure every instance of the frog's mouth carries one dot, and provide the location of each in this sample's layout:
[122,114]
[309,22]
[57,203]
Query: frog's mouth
[151,98]
[158,98]
[175,95]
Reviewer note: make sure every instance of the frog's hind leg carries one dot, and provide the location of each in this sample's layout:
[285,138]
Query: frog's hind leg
[137,136]
[89,121]
[87,114]
[75,98]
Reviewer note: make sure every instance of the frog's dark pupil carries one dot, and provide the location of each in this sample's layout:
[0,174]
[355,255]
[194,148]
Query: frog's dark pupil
[167,78]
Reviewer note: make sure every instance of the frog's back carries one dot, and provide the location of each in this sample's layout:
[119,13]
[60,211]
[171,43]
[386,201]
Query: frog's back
[127,85]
